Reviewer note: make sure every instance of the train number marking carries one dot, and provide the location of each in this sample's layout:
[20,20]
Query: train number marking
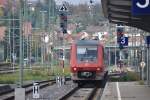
[143,5]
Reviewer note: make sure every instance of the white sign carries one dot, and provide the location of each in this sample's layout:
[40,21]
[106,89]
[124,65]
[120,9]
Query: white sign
[58,81]
[142,64]
[36,93]
[140,7]
[63,8]
[122,40]
[143,5]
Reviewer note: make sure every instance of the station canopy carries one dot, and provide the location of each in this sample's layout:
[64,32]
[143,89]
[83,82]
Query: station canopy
[120,12]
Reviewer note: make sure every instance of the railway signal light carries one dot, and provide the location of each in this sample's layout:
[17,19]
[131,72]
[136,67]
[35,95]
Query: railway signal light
[120,36]
[61,25]
[64,31]
[63,22]
[119,33]
[63,17]
[91,1]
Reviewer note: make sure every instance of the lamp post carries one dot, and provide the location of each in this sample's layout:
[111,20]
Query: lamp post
[20,44]
[13,54]
[31,8]
[51,57]
[91,8]
[46,40]
[142,66]
[43,28]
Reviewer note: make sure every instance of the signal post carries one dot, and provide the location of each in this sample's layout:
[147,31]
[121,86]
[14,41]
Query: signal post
[148,69]
[121,40]
[63,25]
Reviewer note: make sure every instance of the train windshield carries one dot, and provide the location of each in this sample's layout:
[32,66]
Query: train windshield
[87,54]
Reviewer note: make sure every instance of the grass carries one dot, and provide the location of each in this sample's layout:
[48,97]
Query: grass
[59,71]
[129,76]
[36,74]
[141,82]
[9,78]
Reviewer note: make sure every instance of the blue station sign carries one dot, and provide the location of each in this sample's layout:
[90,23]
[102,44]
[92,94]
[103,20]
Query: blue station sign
[124,41]
[140,7]
[148,40]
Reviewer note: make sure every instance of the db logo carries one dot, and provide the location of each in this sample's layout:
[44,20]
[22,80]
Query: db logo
[140,7]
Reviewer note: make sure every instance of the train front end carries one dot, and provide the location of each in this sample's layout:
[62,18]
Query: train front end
[86,61]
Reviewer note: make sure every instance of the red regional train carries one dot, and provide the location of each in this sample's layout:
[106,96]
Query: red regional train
[87,61]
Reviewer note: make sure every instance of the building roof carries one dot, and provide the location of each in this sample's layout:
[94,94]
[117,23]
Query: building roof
[2,3]
[120,12]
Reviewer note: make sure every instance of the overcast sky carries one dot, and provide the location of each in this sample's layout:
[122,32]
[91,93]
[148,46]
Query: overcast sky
[59,2]
[77,1]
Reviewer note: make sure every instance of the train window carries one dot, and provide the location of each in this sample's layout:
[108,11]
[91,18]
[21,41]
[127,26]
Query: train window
[87,53]
[103,52]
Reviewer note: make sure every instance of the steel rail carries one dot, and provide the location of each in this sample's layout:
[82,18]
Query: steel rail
[9,95]
[89,94]
[71,92]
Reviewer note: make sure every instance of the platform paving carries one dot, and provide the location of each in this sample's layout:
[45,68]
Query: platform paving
[126,91]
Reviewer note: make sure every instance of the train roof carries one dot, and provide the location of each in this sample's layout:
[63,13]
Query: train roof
[87,42]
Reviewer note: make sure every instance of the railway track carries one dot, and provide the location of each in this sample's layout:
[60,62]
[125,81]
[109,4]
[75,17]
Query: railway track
[83,93]
[9,95]
[5,68]
[11,70]
[89,91]
[7,71]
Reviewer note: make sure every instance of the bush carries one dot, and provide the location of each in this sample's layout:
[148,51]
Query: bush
[128,76]
[141,82]
[132,76]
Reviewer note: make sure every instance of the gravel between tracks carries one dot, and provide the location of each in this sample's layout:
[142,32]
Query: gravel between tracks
[53,92]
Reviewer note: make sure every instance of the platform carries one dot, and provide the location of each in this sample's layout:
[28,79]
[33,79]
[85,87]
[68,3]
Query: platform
[125,91]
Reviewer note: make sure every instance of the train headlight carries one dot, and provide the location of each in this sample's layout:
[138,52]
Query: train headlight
[98,69]
[74,68]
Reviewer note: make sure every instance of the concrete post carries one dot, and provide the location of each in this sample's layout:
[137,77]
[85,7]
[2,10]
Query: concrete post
[19,94]
[20,50]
